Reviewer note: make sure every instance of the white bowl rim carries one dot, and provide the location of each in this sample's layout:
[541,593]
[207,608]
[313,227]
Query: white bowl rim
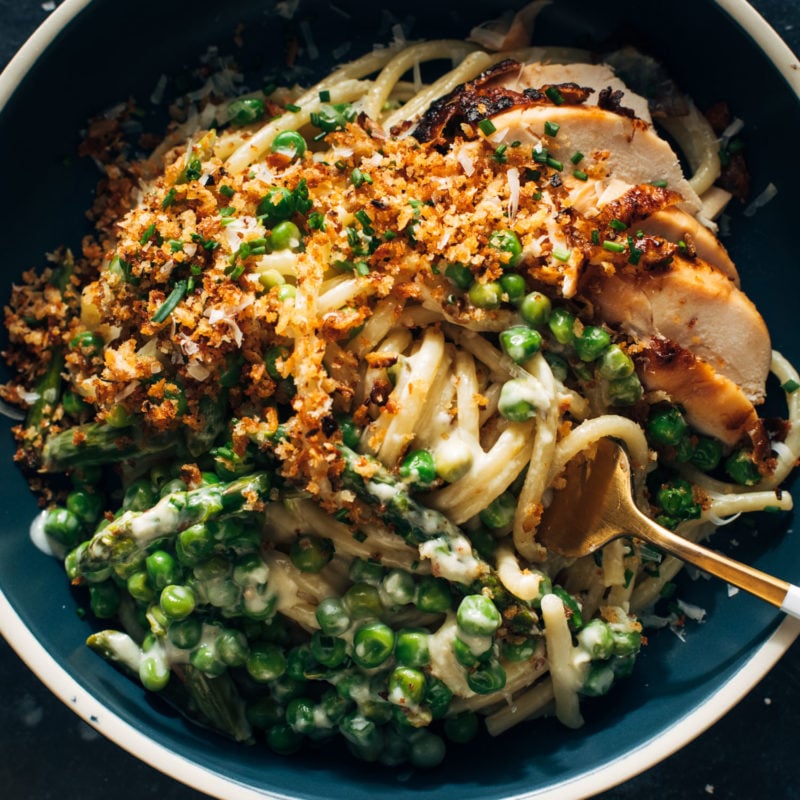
[195,775]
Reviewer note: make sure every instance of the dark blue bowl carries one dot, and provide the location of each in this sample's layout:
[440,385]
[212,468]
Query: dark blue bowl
[102,51]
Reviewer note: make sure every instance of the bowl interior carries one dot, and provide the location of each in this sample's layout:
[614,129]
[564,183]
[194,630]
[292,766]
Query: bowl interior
[104,55]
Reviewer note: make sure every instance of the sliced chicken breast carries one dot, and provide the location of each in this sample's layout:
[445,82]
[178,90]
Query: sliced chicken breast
[613,146]
[714,404]
[693,305]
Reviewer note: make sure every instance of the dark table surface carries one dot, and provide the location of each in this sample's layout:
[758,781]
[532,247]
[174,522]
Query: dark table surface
[48,752]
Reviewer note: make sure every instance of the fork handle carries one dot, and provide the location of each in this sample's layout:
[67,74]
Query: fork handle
[780,593]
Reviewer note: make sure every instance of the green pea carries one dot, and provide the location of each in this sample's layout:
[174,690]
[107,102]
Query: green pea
[332,117]
[300,662]
[406,686]
[592,342]
[232,649]
[300,715]
[246,110]
[707,454]
[250,570]
[513,287]
[427,750]
[741,468]
[437,697]
[598,681]
[351,434]
[264,712]
[433,595]
[177,601]
[162,569]
[363,734]
[204,658]
[364,571]
[676,499]
[140,495]
[373,643]
[625,391]
[615,363]
[463,653]
[477,615]
[276,205]
[283,739]
[558,365]
[153,673]
[311,553]
[419,468]
[330,651]
[289,143]
[363,600]
[486,295]
[460,275]
[411,647]
[462,727]
[596,639]
[535,309]
[622,666]
[332,616]
[562,323]
[194,544]
[516,403]
[104,599]
[139,587]
[666,427]
[626,641]
[487,677]
[86,476]
[500,512]
[86,506]
[507,242]
[63,525]
[285,236]
[286,688]
[398,588]
[521,650]
[520,343]
[287,292]
[185,633]
[266,662]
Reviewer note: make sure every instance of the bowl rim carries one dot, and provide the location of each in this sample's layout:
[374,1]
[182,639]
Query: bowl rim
[194,775]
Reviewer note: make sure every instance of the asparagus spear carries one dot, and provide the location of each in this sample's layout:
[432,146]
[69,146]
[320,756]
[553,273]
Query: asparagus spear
[100,443]
[40,413]
[126,537]
[439,539]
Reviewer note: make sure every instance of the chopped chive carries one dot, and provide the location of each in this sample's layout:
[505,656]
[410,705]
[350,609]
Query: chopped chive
[227,211]
[554,163]
[540,154]
[359,178]
[580,175]
[168,306]
[595,236]
[551,128]
[537,196]
[150,232]
[487,127]
[613,247]
[635,252]
[359,536]
[499,154]
[515,143]
[554,95]
[292,107]
[561,254]
[175,245]
[325,96]
[576,157]
[365,220]
[533,174]
[340,165]
[169,198]
[659,184]
[617,225]
[226,191]
[790,386]
[682,246]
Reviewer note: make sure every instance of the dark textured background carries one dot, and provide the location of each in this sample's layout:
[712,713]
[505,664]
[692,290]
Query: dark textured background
[48,752]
